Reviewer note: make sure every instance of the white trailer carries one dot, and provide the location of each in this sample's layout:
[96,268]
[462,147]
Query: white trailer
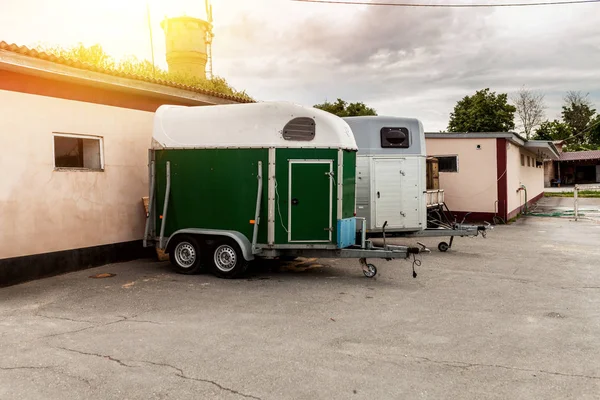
[390,173]
[391,188]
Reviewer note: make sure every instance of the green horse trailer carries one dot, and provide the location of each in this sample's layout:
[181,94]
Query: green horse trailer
[230,184]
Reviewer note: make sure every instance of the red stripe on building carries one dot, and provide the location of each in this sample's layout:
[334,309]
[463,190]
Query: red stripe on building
[502,179]
[23,83]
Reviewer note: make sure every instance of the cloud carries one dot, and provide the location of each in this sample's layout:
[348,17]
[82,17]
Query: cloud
[411,62]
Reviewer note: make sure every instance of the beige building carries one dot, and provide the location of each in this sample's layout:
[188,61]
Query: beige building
[489,174]
[74,161]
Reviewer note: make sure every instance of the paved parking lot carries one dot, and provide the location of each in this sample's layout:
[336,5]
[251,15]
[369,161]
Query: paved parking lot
[514,316]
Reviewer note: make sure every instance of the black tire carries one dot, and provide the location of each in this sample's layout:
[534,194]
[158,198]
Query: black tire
[443,247]
[371,271]
[227,260]
[185,255]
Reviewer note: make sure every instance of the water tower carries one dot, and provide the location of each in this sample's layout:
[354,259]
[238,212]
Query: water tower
[188,42]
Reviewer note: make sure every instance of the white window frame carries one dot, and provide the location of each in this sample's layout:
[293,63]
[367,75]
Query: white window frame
[78,136]
[457,165]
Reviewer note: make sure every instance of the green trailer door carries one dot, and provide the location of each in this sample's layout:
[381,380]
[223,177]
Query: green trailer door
[311,201]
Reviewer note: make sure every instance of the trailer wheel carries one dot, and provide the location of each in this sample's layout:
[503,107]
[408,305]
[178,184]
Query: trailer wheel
[228,260]
[371,271]
[185,255]
[443,247]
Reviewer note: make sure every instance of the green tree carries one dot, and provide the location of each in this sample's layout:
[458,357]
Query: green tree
[594,135]
[577,112]
[553,130]
[342,108]
[485,111]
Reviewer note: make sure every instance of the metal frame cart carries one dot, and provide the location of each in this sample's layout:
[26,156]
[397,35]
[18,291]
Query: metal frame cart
[441,223]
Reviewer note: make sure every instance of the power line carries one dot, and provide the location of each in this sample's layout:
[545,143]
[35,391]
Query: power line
[366,3]
[583,131]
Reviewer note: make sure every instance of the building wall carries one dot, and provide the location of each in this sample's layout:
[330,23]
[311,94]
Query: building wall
[549,173]
[46,210]
[530,176]
[474,187]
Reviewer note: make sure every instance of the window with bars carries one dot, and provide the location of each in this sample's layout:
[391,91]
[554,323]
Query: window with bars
[447,163]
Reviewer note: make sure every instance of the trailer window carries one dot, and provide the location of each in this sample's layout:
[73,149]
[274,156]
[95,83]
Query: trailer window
[395,138]
[448,164]
[78,152]
[301,128]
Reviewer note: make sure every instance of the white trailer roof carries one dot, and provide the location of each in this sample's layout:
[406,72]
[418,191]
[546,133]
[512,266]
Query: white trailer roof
[246,125]
[367,133]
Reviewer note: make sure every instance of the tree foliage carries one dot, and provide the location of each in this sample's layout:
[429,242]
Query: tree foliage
[530,109]
[578,112]
[579,127]
[594,133]
[485,111]
[342,108]
[553,130]
[96,56]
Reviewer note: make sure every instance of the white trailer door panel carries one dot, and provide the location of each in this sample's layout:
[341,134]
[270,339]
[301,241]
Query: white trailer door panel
[388,192]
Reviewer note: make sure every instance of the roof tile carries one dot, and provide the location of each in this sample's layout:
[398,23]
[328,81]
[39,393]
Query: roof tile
[24,50]
[580,155]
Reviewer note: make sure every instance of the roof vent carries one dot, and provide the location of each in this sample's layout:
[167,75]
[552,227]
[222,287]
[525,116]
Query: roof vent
[301,128]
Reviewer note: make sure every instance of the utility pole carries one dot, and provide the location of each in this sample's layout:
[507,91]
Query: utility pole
[209,38]
[151,42]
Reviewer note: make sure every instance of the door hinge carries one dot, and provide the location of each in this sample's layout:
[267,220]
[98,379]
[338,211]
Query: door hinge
[402,213]
[402,173]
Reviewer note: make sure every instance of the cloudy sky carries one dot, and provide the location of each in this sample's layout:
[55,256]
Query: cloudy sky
[414,62]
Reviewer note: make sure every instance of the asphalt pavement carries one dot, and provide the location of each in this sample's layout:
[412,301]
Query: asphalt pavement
[513,316]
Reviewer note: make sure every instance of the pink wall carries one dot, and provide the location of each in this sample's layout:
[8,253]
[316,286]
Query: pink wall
[44,210]
[530,176]
[473,188]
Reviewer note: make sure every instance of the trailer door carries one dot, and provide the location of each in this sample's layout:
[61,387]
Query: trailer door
[388,192]
[311,200]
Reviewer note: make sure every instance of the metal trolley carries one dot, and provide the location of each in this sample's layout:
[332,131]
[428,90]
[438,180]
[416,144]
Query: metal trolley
[442,223]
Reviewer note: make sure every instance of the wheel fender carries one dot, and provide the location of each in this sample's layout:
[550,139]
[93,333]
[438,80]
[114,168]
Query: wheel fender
[240,238]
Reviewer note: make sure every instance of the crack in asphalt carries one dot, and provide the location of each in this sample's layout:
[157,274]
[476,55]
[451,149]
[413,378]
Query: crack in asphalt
[65,333]
[180,373]
[108,357]
[466,365]
[64,318]
[130,319]
[23,367]
[248,396]
[51,368]
[93,325]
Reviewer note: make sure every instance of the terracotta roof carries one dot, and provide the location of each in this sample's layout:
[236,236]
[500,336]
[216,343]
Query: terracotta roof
[24,50]
[580,155]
